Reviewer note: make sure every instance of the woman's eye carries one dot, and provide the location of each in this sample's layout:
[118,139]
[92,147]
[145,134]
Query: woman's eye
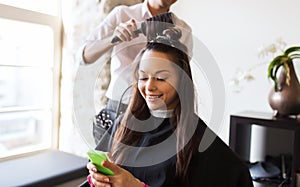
[161,78]
[143,78]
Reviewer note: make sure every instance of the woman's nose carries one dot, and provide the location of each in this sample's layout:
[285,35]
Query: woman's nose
[151,84]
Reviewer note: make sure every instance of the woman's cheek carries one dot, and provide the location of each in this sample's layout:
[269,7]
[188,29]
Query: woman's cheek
[141,88]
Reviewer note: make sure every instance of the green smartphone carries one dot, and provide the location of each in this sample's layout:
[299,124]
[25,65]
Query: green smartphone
[97,157]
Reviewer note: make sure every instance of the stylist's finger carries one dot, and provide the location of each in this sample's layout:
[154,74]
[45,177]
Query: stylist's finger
[133,27]
[122,32]
[127,29]
[130,27]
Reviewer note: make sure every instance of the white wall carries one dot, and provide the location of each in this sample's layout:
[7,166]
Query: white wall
[233,31]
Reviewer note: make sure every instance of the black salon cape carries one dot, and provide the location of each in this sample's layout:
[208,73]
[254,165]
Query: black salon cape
[216,166]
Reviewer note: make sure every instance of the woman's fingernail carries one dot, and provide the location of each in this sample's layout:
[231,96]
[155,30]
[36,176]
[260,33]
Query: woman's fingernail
[94,169]
[106,180]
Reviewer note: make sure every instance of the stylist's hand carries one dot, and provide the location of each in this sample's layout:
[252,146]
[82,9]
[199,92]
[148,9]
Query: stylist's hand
[125,30]
[121,177]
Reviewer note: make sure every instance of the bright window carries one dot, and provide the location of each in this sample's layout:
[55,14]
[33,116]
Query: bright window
[29,78]
[44,6]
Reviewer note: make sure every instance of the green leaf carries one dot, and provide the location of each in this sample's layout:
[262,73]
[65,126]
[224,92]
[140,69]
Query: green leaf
[276,85]
[291,49]
[274,67]
[275,78]
[283,60]
[293,56]
[287,73]
[275,62]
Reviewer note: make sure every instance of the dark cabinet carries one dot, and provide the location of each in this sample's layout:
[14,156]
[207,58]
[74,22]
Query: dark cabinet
[240,134]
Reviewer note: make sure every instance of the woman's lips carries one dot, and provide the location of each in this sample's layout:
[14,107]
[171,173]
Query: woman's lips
[152,98]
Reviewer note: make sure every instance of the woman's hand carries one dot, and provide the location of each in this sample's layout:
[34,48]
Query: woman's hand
[121,177]
[97,179]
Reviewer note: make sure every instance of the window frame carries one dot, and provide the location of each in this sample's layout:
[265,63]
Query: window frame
[55,22]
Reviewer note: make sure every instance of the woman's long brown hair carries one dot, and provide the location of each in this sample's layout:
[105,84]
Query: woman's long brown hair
[184,114]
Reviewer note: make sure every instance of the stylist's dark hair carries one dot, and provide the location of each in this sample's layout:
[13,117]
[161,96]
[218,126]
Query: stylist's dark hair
[184,112]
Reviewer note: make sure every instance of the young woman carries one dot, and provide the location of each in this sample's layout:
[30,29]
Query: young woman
[157,142]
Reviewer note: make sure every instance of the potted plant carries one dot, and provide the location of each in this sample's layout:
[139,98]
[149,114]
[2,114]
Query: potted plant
[284,97]
[284,60]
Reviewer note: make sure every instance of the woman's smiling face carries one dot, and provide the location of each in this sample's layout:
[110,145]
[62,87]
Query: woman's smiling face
[158,80]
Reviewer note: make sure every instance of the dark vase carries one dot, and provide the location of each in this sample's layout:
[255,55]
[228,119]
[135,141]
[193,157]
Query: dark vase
[286,101]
